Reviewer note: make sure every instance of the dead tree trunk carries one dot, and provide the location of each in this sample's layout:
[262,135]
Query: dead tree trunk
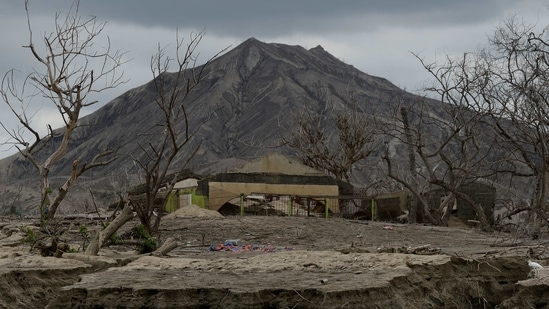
[168,246]
[99,237]
[412,215]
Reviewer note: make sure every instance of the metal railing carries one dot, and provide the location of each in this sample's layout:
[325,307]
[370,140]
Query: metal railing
[258,204]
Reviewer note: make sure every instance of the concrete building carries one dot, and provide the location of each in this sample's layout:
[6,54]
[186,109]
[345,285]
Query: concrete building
[271,175]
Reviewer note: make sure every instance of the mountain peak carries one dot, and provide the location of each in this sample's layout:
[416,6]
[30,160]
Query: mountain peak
[253,90]
[317,48]
[250,41]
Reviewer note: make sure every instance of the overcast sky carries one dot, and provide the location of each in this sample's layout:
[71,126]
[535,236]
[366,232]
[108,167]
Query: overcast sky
[374,36]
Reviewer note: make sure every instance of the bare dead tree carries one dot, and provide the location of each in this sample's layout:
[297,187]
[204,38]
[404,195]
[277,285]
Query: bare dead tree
[99,237]
[401,132]
[168,141]
[518,59]
[412,215]
[336,152]
[501,93]
[164,145]
[465,153]
[450,147]
[509,81]
[70,68]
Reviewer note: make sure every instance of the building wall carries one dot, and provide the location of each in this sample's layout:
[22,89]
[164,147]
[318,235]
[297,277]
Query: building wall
[185,200]
[221,192]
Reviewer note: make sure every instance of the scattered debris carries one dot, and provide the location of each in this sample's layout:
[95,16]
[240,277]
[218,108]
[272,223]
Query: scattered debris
[232,242]
[421,250]
[311,265]
[245,248]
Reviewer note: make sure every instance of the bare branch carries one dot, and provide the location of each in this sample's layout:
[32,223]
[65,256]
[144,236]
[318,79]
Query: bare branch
[168,140]
[70,66]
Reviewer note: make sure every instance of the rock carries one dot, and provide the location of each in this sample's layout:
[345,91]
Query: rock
[13,240]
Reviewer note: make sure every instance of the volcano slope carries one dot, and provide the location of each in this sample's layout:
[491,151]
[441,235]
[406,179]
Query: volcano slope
[283,262]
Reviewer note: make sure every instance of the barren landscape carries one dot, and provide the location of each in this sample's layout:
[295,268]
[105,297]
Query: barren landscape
[282,262]
[100,189]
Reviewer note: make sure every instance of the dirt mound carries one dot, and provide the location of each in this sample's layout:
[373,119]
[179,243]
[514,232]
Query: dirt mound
[193,211]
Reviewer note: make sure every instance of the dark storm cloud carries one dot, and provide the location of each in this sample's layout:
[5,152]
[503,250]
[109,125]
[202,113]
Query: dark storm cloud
[372,35]
[273,18]
[233,15]
[258,17]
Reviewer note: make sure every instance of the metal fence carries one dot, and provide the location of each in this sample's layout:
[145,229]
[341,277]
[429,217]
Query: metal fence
[386,207]
[302,206]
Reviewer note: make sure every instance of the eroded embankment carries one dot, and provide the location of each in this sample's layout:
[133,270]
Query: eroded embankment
[301,280]
[530,293]
[32,281]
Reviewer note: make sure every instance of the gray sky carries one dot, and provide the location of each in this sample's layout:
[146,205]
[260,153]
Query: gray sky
[374,36]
